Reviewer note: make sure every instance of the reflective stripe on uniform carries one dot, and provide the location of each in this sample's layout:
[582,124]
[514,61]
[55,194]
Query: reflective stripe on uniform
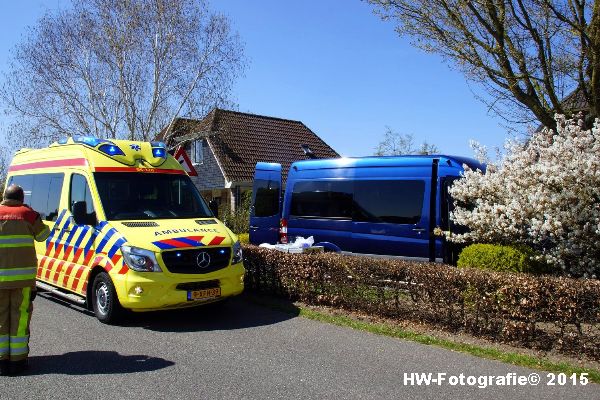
[17,271]
[16,241]
[43,234]
[23,330]
[19,339]
[3,345]
[19,345]
[18,349]
[17,274]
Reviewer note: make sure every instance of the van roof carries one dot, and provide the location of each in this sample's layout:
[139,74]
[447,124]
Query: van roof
[100,155]
[388,161]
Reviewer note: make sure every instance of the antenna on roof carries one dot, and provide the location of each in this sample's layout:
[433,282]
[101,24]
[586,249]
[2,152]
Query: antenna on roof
[309,153]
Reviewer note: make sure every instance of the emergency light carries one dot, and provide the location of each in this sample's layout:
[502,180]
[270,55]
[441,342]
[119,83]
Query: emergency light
[160,145]
[106,146]
[89,140]
[156,155]
[111,149]
[159,153]
[159,149]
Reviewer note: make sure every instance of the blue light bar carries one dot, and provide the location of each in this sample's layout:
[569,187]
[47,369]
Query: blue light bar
[63,140]
[159,152]
[160,145]
[111,149]
[89,140]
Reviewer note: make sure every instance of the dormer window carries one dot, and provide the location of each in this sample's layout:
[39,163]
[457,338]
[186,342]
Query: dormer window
[198,152]
[195,150]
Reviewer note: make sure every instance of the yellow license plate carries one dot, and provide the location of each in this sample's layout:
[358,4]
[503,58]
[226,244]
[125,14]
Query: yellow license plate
[204,294]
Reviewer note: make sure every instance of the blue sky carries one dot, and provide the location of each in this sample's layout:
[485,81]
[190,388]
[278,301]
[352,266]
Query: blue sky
[335,66]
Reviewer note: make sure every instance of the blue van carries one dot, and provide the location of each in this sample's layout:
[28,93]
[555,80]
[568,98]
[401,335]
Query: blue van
[373,205]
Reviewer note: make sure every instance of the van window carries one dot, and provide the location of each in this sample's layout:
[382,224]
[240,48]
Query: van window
[80,191]
[386,201]
[42,192]
[266,202]
[322,199]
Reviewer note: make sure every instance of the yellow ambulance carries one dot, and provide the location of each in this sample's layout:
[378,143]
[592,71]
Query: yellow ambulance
[129,229]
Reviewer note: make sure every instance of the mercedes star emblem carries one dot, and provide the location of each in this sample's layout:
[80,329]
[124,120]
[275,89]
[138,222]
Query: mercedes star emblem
[203,260]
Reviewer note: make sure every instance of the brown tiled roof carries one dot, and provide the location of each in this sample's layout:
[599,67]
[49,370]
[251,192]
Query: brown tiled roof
[575,101]
[240,140]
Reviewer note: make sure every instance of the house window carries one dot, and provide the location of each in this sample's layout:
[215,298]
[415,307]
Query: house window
[195,150]
[198,155]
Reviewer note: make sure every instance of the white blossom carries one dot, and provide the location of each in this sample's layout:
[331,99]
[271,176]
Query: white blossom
[544,193]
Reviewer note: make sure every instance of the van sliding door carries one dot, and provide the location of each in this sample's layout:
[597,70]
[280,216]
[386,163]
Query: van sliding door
[322,209]
[391,217]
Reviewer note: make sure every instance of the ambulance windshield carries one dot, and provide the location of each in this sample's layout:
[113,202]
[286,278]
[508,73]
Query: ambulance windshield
[134,196]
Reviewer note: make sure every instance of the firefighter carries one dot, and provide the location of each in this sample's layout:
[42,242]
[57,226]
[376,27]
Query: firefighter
[19,226]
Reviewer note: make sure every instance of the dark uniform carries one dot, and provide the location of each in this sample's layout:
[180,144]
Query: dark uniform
[19,226]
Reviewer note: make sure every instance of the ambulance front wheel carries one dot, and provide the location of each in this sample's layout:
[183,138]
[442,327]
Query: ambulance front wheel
[104,299]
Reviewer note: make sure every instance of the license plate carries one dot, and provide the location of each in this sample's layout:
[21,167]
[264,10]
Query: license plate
[203,294]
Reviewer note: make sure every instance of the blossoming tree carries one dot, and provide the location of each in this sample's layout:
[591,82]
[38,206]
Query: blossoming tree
[544,193]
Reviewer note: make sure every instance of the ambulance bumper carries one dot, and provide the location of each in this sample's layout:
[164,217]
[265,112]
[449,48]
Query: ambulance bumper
[151,291]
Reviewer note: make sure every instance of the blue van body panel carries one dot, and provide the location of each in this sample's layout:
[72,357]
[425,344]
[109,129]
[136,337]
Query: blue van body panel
[387,161]
[265,228]
[346,234]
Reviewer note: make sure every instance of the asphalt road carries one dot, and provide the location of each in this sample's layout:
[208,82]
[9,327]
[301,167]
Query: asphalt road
[244,351]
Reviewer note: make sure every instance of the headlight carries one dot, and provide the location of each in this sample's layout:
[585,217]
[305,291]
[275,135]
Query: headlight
[140,260]
[237,253]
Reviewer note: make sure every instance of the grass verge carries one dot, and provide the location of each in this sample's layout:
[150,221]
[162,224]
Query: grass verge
[522,360]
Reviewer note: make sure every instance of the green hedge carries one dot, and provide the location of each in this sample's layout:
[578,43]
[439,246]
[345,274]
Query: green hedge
[500,258]
[540,312]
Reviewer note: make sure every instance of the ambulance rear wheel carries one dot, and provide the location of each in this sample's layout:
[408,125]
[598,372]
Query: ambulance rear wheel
[104,299]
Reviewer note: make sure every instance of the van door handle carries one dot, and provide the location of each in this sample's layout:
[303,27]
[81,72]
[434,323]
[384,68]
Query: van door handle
[419,230]
[253,227]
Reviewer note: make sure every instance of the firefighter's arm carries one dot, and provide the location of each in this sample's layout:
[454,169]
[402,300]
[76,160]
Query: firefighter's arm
[40,230]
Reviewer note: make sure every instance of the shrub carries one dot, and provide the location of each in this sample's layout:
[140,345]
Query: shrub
[500,258]
[239,220]
[244,238]
[538,312]
[543,193]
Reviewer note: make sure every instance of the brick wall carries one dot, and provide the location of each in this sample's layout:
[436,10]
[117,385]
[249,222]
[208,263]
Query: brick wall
[209,173]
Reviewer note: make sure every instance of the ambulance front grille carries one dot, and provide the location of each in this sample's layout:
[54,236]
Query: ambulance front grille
[197,261]
[198,285]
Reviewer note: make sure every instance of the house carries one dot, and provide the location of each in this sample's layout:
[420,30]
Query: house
[225,146]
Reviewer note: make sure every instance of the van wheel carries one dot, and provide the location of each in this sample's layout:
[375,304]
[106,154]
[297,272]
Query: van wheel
[104,299]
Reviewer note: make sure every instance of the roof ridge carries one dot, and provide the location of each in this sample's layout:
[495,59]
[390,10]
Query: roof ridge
[319,137]
[256,115]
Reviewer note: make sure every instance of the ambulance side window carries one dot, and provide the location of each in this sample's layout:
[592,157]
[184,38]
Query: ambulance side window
[26,182]
[42,192]
[80,191]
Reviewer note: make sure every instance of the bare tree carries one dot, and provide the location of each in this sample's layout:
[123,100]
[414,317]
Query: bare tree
[120,69]
[5,157]
[529,54]
[395,144]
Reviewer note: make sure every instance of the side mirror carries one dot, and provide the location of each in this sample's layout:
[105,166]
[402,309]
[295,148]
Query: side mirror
[80,215]
[214,207]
